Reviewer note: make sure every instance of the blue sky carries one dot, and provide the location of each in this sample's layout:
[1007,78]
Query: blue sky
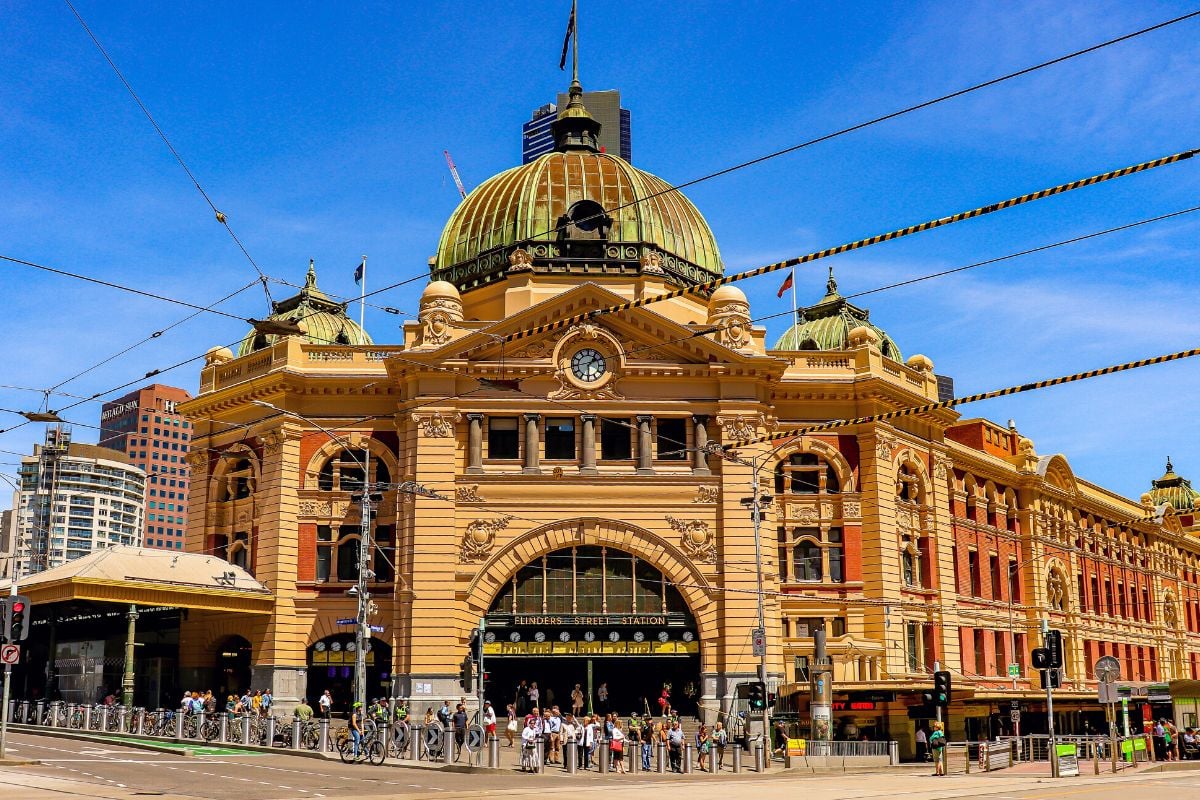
[318,129]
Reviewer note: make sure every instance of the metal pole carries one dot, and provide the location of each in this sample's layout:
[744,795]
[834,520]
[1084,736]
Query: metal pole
[362,633]
[762,625]
[1050,710]
[479,677]
[127,680]
[4,712]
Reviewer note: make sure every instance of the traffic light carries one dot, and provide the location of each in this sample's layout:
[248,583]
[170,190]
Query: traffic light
[756,695]
[16,618]
[1051,678]
[1053,643]
[466,674]
[1041,658]
[941,688]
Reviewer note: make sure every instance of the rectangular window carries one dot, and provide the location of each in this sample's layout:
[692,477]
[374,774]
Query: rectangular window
[1108,595]
[783,554]
[324,551]
[616,440]
[954,560]
[911,645]
[1014,582]
[1122,605]
[560,438]
[1019,655]
[1096,608]
[1082,594]
[973,570]
[998,645]
[503,439]
[980,655]
[672,440]
[994,570]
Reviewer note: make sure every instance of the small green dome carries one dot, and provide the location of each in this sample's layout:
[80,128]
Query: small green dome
[827,325]
[1176,491]
[323,320]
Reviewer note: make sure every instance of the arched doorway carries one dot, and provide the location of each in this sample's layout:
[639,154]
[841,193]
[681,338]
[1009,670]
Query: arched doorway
[331,666]
[233,666]
[593,616]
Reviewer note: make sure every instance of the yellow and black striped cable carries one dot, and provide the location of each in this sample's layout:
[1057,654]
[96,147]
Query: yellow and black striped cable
[845,248]
[959,401]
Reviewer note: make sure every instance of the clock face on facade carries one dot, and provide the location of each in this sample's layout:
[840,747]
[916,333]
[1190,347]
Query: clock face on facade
[588,365]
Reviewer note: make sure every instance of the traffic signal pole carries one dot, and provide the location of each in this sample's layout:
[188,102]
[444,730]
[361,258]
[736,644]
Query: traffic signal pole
[12,593]
[1050,710]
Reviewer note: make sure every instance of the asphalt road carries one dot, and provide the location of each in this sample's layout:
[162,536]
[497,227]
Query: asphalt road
[74,769]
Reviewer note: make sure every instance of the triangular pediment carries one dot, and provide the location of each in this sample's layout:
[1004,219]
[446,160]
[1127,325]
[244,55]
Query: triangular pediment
[645,336]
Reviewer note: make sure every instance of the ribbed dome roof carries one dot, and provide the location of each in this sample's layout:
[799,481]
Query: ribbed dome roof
[827,325]
[524,206]
[323,320]
[1177,491]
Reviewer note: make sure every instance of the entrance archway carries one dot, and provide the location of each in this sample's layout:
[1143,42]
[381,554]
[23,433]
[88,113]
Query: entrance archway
[233,666]
[331,666]
[598,617]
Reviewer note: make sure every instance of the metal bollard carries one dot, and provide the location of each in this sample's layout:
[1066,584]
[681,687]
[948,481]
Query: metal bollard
[759,759]
[87,719]
[223,736]
[54,714]
[540,756]
[297,726]
[416,737]
[737,759]
[687,758]
[123,720]
[603,756]
[38,711]
[323,734]
[178,722]
[712,758]
[200,724]
[271,733]
[571,758]
[245,728]
[494,752]
[448,745]
[660,758]
[635,756]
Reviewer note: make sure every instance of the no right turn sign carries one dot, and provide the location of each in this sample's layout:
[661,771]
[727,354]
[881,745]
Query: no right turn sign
[10,654]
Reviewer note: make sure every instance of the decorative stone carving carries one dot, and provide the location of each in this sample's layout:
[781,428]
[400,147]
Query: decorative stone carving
[696,539]
[652,263]
[198,460]
[480,539]
[851,509]
[272,441]
[600,339]
[706,494]
[468,494]
[942,467]
[1170,615]
[439,310]
[729,311]
[535,350]
[885,447]
[807,515]
[520,261]
[435,425]
[738,427]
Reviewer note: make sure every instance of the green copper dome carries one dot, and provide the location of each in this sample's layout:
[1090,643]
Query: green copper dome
[1176,491]
[576,210]
[827,325]
[323,320]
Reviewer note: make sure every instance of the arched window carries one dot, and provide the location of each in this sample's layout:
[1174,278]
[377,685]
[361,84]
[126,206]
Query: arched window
[910,566]
[343,472]
[808,560]
[238,482]
[1056,590]
[806,473]
[908,485]
[337,553]
[235,549]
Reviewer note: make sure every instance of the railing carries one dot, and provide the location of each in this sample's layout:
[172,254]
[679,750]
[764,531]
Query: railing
[846,749]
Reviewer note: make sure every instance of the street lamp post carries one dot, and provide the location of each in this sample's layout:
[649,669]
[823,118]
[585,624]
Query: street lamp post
[127,679]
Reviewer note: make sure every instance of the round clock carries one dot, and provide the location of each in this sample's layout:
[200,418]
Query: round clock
[588,365]
[540,636]
[589,637]
[638,636]
[564,637]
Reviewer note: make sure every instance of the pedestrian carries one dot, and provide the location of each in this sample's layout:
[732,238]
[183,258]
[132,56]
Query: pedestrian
[511,727]
[445,713]
[303,711]
[646,740]
[267,702]
[577,701]
[781,737]
[210,702]
[430,718]
[702,745]
[356,711]
[546,747]
[489,720]
[616,746]
[922,744]
[534,694]
[591,736]
[325,704]
[529,739]
[256,701]
[602,697]
[555,728]
[664,702]
[937,744]
[720,739]
[675,746]
[569,733]
[459,720]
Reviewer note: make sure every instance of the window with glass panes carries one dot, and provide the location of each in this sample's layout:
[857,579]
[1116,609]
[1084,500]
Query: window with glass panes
[503,439]
[560,438]
[816,555]
[805,473]
[616,440]
[672,439]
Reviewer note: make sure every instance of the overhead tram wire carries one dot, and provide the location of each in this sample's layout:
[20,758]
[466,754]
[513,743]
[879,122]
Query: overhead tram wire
[861,125]
[217,213]
[958,401]
[859,244]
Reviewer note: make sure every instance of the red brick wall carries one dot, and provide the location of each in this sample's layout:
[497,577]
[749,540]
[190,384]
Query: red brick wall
[306,557]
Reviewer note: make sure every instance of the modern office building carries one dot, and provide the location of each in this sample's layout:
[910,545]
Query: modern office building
[8,542]
[145,426]
[74,499]
[605,106]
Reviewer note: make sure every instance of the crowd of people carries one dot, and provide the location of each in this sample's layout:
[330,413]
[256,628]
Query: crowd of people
[260,703]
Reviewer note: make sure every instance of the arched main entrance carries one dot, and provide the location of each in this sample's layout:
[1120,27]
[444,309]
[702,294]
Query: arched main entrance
[331,666]
[593,616]
[233,666]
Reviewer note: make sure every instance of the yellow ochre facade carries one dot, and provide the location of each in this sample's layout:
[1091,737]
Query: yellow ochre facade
[566,488]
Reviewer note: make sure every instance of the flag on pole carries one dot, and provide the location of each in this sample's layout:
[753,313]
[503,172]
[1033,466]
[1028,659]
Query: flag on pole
[562,62]
[358,272]
[787,283]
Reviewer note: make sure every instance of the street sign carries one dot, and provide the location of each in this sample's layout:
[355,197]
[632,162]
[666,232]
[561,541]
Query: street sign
[1015,715]
[347,621]
[759,639]
[1108,693]
[10,654]
[377,628]
[1015,705]
[1108,669]
[1014,670]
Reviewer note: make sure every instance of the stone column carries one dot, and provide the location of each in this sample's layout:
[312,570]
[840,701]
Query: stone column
[474,444]
[645,452]
[700,461]
[587,465]
[533,445]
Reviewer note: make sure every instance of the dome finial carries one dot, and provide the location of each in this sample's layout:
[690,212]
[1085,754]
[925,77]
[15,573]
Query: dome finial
[575,128]
[310,280]
[1169,467]
[831,288]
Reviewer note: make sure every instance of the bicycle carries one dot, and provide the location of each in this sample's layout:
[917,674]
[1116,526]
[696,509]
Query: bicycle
[370,745]
[190,726]
[310,735]
[211,729]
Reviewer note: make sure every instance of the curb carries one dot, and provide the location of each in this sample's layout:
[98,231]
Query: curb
[80,736]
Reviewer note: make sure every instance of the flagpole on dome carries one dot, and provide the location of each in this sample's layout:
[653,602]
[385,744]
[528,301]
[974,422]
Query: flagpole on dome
[360,277]
[795,306]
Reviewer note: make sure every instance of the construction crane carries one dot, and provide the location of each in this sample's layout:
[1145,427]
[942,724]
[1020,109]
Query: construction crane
[454,171]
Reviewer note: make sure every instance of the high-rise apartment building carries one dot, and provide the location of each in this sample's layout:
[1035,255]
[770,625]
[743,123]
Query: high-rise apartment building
[75,498]
[144,426]
[605,107]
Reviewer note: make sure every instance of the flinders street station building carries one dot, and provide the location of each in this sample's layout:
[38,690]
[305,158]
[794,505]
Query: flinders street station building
[569,489]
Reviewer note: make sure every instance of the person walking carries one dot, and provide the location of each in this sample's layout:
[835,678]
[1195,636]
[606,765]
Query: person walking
[703,744]
[591,736]
[602,698]
[267,701]
[720,739]
[459,720]
[535,695]
[922,744]
[577,701]
[511,727]
[616,746]
[675,746]
[325,704]
[529,740]
[489,720]
[937,744]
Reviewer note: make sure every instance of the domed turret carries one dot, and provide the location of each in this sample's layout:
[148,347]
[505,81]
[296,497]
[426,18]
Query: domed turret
[321,320]
[828,326]
[1174,490]
[576,210]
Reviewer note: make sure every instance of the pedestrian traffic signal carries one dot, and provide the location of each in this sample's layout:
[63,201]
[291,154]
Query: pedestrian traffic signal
[756,695]
[1051,678]
[1053,643]
[466,674]
[941,689]
[16,618]
[1041,658]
